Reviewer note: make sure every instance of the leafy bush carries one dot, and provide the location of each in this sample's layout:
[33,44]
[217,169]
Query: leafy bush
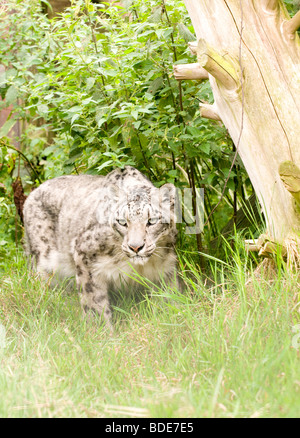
[94,89]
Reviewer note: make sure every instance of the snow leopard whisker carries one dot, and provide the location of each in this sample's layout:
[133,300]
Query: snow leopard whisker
[157,255]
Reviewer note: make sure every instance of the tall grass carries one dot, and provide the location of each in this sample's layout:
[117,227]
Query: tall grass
[218,348]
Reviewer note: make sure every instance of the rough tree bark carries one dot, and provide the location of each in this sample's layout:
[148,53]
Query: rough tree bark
[251,52]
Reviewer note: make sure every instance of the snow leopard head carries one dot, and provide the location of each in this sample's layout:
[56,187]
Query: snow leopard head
[145,220]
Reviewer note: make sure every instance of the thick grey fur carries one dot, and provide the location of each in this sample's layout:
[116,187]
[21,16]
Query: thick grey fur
[73,226]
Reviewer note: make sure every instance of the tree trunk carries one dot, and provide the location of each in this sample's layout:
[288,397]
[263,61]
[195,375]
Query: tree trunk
[251,52]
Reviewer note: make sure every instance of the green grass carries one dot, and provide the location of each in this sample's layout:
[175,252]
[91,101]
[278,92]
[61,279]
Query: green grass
[220,350]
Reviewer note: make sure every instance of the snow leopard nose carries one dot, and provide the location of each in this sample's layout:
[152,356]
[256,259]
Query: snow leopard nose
[136,248]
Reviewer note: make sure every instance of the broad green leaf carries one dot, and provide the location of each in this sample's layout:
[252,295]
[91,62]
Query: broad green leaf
[43,109]
[101,121]
[11,95]
[155,85]
[186,34]
[195,132]
[105,164]
[90,82]
[4,130]
[74,109]
[155,17]
[135,114]
[2,75]
[87,101]
[48,150]
[204,147]
[74,118]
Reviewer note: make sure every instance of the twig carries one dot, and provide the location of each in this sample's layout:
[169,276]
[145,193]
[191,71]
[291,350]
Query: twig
[94,41]
[176,165]
[3,144]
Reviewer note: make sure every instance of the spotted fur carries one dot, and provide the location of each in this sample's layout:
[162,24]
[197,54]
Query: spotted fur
[101,229]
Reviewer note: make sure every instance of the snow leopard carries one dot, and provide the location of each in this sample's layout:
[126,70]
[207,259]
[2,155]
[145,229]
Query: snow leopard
[102,230]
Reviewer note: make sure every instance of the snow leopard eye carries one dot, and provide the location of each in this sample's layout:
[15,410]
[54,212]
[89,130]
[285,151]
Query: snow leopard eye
[122,222]
[153,220]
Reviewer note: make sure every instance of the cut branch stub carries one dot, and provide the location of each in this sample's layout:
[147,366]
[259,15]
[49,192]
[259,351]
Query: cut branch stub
[290,176]
[270,6]
[290,27]
[193,47]
[265,246]
[209,112]
[221,69]
[270,249]
[190,71]
[251,245]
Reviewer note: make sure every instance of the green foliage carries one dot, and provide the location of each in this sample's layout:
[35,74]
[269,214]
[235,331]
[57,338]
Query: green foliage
[216,350]
[7,210]
[94,89]
[293,6]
